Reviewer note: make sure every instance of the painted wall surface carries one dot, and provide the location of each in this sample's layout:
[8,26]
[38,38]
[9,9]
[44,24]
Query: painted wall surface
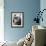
[29,7]
[43,6]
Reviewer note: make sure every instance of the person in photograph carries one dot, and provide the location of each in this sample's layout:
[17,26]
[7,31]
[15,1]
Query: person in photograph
[17,20]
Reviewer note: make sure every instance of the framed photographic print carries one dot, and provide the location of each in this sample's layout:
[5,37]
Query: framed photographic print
[17,19]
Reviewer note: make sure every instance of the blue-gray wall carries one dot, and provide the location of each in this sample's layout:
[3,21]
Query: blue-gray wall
[43,6]
[29,7]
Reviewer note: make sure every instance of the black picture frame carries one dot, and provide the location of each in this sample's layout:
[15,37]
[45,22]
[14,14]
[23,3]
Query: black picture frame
[17,19]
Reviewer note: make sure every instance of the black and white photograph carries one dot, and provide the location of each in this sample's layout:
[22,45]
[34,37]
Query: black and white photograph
[17,19]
